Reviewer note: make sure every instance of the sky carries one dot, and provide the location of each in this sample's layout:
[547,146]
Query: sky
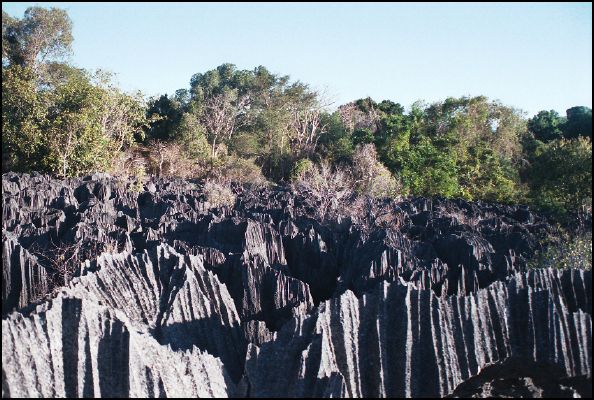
[530,56]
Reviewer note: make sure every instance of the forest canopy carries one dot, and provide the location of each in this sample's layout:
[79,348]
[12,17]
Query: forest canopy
[255,126]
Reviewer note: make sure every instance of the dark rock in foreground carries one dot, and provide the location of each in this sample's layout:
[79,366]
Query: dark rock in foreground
[166,295]
[398,341]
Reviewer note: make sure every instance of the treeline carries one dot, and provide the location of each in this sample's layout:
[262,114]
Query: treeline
[255,126]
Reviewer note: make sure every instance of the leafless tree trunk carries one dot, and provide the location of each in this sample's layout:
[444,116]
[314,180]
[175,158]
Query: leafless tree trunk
[306,128]
[65,148]
[221,116]
[353,118]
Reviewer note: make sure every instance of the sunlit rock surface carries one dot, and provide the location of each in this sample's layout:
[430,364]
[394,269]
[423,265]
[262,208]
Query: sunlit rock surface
[166,295]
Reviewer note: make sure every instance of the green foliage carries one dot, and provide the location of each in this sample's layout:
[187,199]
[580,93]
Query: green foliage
[23,120]
[170,112]
[191,135]
[560,175]
[78,145]
[57,118]
[239,170]
[300,168]
[276,166]
[569,252]
[42,34]
[73,127]
[89,122]
[579,122]
[337,143]
[244,125]
[390,108]
[547,125]
[427,171]
[246,145]
[486,176]
[467,147]
[362,136]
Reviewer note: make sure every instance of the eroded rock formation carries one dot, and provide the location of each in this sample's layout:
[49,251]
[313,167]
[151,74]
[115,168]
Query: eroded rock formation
[111,292]
[70,347]
[399,341]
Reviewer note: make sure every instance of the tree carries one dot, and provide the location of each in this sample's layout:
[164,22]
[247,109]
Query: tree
[8,23]
[361,114]
[560,175]
[191,134]
[221,116]
[427,171]
[337,143]
[305,129]
[76,125]
[579,122]
[486,176]
[363,136]
[23,120]
[272,129]
[123,115]
[43,34]
[169,111]
[483,137]
[547,126]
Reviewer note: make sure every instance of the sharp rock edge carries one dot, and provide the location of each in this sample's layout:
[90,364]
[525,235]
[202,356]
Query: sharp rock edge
[401,341]
[271,249]
[70,347]
[415,297]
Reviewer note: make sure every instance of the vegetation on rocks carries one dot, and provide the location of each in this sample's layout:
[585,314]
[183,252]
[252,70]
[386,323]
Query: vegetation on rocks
[243,237]
[255,127]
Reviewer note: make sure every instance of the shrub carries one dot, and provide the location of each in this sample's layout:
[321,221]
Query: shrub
[128,161]
[329,187]
[139,174]
[218,194]
[570,253]
[300,168]
[62,262]
[130,166]
[238,170]
[371,176]
[171,159]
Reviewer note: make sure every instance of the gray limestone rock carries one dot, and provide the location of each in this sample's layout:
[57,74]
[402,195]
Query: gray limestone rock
[108,292]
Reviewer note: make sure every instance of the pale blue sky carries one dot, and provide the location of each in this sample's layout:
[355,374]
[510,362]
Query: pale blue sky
[531,56]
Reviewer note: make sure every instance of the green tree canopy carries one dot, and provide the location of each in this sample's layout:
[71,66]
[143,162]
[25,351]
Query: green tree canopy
[560,174]
[547,125]
[40,36]
[579,122]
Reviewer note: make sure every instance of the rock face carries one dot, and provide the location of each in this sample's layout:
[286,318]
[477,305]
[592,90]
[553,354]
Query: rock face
[401,341]
[75,348]
[110,292]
